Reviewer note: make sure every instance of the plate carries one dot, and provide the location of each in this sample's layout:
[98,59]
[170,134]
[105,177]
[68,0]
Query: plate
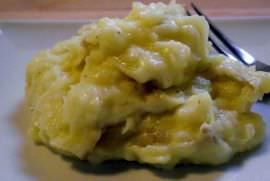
[22,160]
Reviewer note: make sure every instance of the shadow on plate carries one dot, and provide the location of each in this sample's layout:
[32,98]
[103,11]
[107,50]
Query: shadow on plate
[180,171]
[44,164]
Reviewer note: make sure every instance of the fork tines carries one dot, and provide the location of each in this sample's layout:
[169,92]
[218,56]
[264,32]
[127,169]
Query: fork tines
[236,52]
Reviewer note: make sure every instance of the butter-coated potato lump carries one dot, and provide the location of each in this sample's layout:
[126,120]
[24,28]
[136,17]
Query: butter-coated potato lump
[144,88]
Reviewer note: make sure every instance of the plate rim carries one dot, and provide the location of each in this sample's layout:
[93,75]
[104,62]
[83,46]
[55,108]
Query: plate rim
[79,21]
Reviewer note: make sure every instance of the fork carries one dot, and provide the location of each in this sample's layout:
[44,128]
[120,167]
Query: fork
[236,52]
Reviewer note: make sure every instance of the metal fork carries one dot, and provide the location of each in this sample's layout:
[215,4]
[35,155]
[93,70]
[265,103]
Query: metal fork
[235,51]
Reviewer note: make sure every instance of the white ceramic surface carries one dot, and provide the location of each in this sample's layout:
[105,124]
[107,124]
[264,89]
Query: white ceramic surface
[21,160]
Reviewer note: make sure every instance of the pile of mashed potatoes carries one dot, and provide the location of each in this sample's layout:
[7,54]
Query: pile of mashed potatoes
[144,88]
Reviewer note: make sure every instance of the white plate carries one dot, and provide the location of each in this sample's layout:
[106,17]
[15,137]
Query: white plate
[22,160]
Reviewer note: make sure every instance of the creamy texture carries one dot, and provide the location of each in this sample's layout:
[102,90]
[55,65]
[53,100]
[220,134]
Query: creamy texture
[144,88]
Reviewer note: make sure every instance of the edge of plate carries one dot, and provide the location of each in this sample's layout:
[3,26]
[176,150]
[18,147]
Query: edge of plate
[57,21]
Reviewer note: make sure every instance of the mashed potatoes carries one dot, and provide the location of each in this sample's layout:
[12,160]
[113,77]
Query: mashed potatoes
[144,88]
